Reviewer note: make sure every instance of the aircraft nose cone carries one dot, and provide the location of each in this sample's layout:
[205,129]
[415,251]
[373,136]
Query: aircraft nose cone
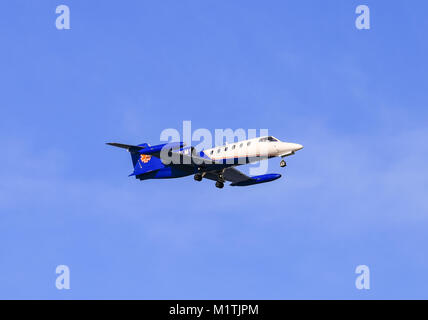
[298,147]
[289,147]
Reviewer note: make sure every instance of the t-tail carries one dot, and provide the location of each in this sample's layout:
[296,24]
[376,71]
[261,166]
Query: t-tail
[145,158]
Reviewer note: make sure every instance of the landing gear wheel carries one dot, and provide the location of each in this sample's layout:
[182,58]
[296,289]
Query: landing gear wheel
[198,177]
[219,184]
[283,164]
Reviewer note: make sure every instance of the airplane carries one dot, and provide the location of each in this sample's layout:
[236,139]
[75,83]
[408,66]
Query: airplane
[174,160]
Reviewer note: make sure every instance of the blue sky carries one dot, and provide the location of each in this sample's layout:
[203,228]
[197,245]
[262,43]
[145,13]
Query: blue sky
[126,71]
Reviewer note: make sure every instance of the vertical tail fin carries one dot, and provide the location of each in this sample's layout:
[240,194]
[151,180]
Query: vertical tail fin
[133,150]
[135,155]
[141,163]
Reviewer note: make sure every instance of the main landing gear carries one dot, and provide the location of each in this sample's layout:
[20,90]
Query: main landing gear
[283,163]
[219,184]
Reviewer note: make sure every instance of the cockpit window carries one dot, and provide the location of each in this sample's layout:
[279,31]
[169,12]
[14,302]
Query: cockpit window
[266,139]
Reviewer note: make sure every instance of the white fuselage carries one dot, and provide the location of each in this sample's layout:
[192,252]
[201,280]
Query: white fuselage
[262,147]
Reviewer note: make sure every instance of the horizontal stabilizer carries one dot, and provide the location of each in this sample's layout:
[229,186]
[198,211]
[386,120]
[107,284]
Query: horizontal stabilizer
[129,147]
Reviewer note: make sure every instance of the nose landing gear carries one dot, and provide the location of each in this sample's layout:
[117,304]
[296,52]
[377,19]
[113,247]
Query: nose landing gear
[198,177]
[283,163]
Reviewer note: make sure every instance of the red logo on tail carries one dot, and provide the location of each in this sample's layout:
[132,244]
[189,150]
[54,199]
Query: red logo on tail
[145,158]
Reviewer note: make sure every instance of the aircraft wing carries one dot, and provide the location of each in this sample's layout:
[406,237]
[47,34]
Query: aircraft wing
[230,174]
[239,179]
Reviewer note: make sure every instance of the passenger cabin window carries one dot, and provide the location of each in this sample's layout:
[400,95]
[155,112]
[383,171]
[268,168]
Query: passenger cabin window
[248,143]
[225,149]
[212,151]
[233,147]
[241,145]
[218,151]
